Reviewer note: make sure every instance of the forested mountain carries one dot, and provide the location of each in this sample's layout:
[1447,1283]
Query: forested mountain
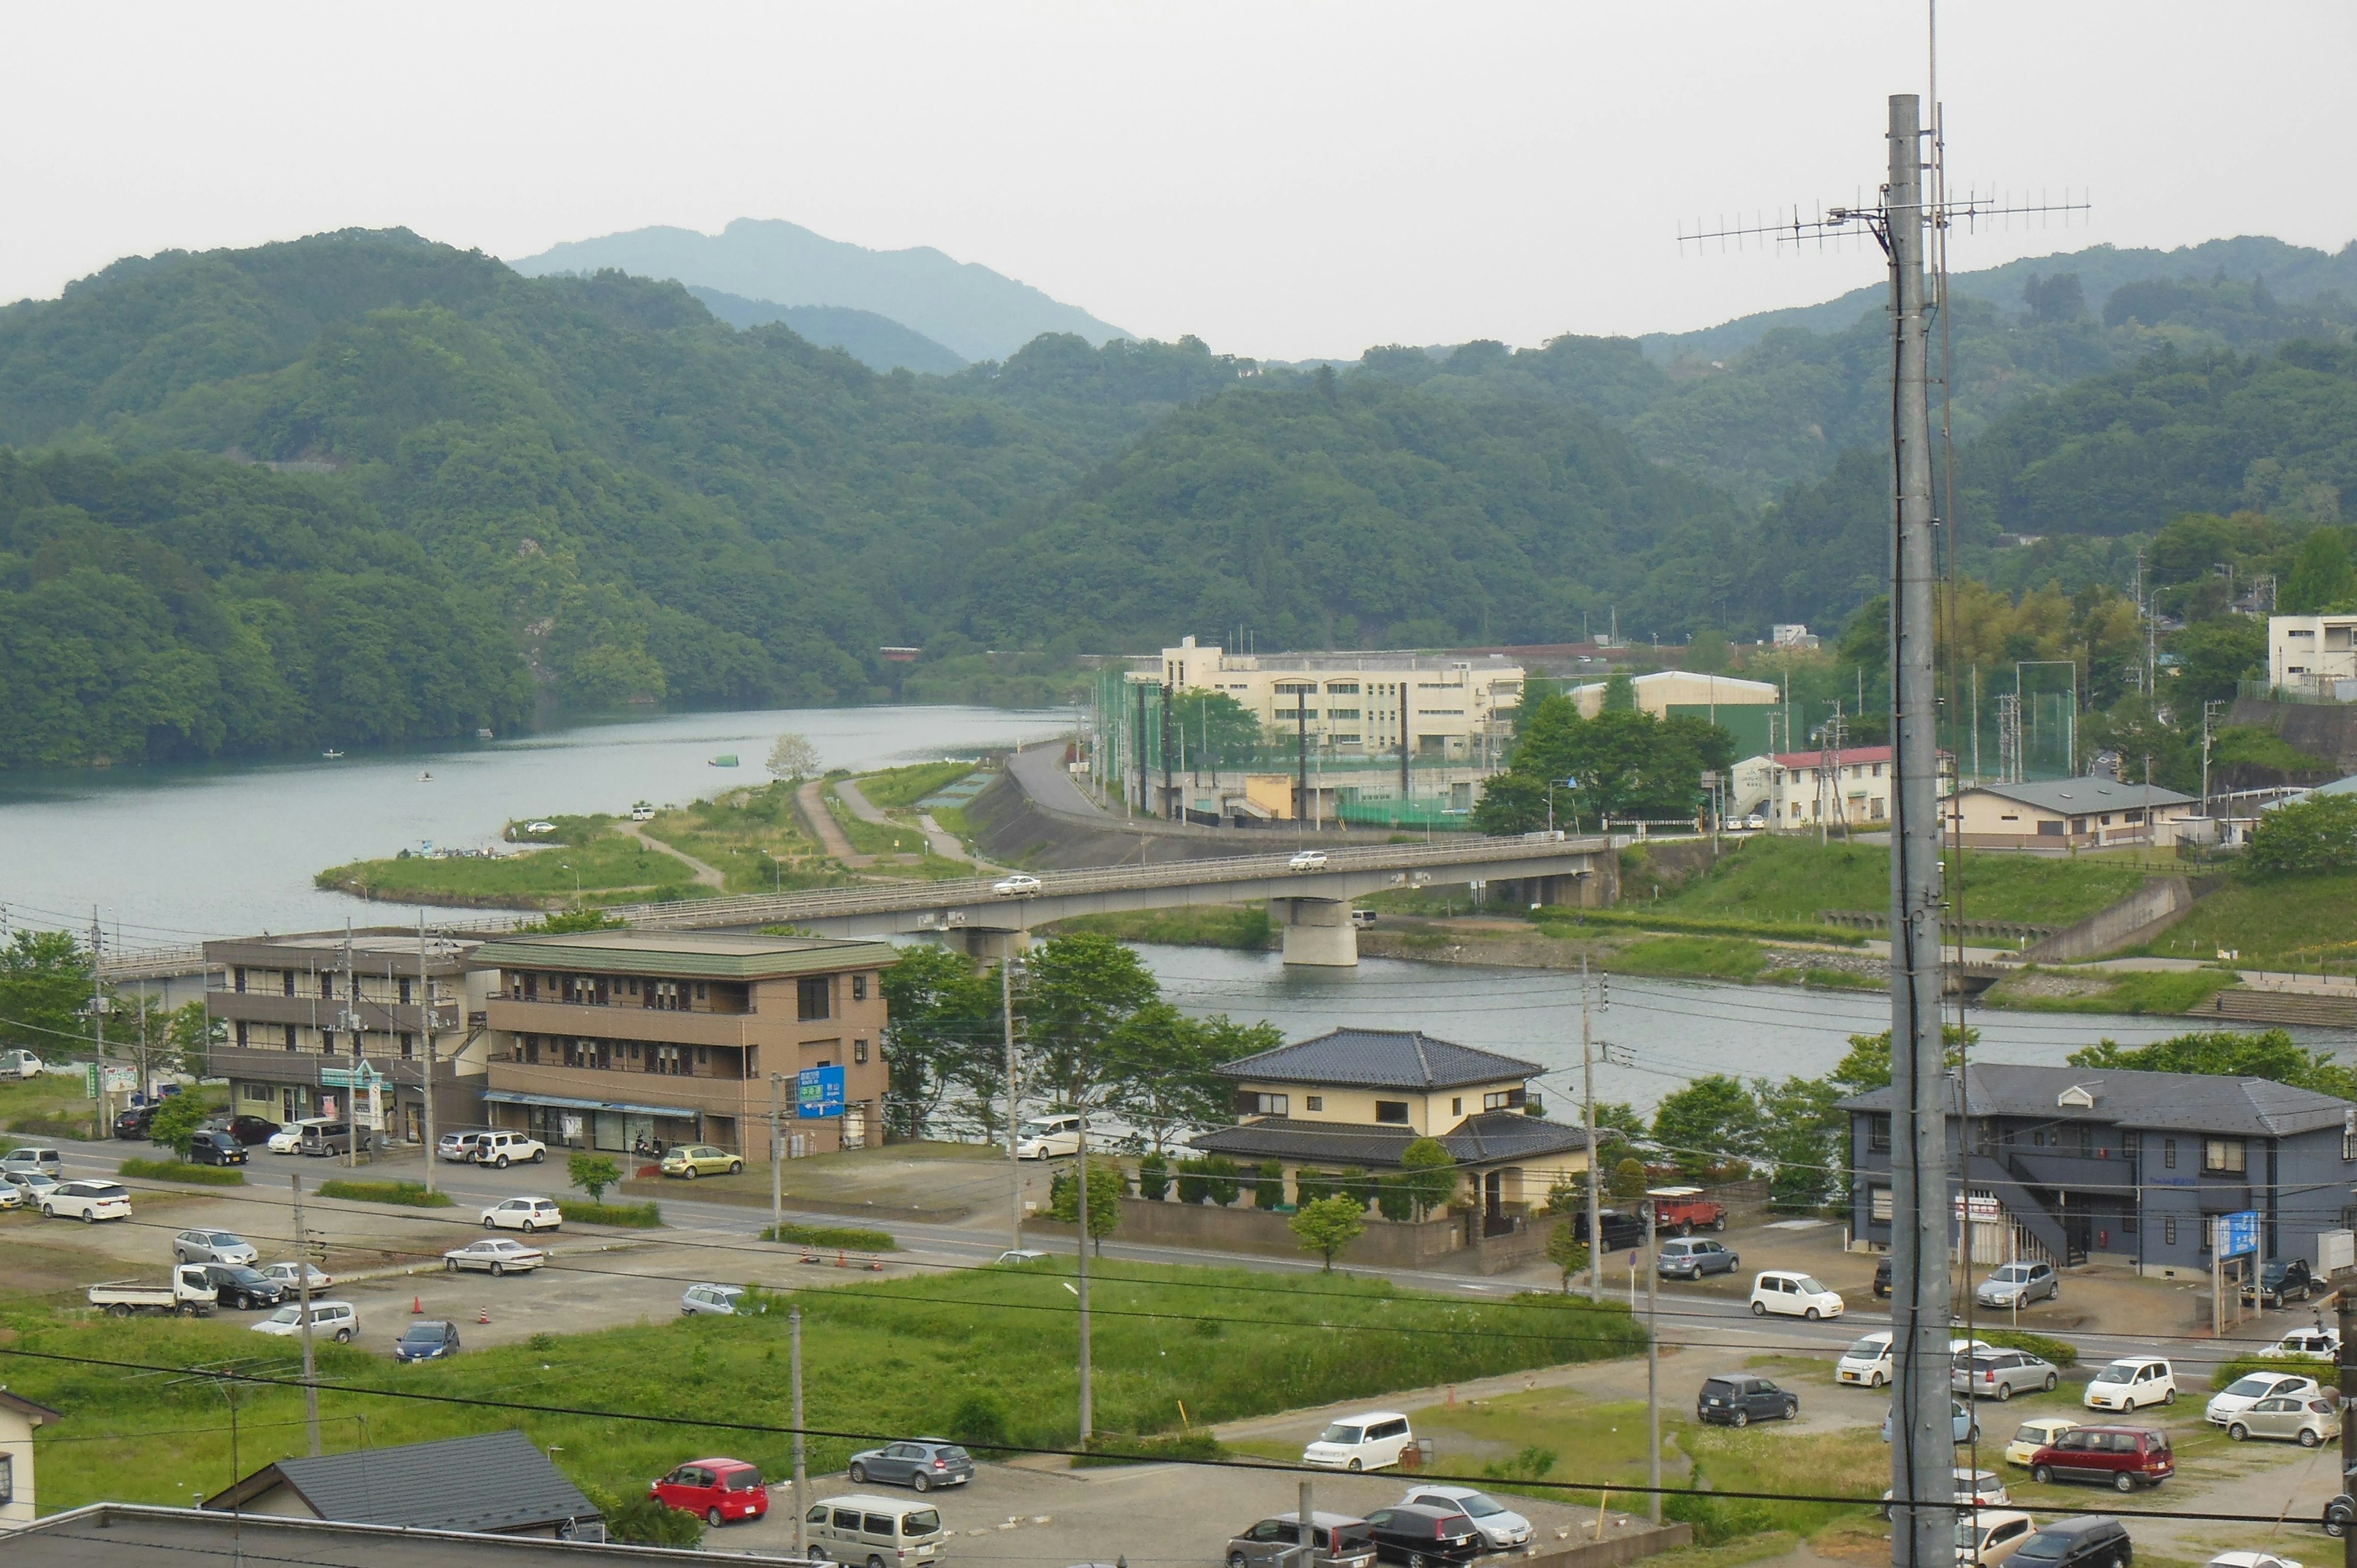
[964,305]
[875,341]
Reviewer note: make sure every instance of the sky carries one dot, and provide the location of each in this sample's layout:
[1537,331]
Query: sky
[1283,178]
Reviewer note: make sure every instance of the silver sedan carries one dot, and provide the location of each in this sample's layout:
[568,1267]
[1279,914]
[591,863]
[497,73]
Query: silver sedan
[2001,1374]
[495,1257]
[2307,1420]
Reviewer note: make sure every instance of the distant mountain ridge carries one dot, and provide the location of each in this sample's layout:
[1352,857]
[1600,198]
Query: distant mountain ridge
[965,307]
[876,341]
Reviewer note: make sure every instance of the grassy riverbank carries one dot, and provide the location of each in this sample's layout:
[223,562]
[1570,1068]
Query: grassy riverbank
[1787,880]
[2039,990]
[2306,923]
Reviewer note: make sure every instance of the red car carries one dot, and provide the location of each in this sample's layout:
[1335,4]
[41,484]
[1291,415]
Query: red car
[719,1489]
[2126,1456]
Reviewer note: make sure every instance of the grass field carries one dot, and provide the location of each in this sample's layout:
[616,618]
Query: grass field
[898,789]
[737,834]
[1776,877]
[983,1356]
[1692,958]
[2306,922]
[2113,992]
[611,869]
[53,1099]
[1241,926]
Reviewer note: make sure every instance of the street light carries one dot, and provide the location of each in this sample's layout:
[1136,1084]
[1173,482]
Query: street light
[777,874]
[567,865]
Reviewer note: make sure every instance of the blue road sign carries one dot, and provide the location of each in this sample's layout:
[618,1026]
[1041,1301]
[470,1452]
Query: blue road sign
[818,1091]
[2238,1233]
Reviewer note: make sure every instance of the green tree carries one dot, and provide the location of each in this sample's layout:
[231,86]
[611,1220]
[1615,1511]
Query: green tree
[593,1173]
[1805,1139]
[175,1124]
[1105,1189]
[2271,1054]
[1083,990]
[45,988]
[942,1039]
[1867,1064]
[1708,652]
[794,757]
[2321,579]
[2213,657]
[1428,1174]
[191,1033]
[1620,693]
[1217,729]
[1327,1225]
[1566,1250]
[1629,1179]
[2314,837]
[1162,1068]
[1711,1122]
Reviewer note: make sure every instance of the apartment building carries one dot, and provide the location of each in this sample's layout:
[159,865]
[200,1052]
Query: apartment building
[599,1040]
[1800,791]
[2314,655]
[1351,705]
[299,1009]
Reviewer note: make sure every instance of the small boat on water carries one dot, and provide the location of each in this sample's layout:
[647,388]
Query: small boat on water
[725,759]
[483,732]
[332,754]
[425,779]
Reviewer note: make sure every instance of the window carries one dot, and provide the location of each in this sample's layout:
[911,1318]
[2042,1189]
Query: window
[290,1037]
[1456,1106]
[286,982]
[1394,1111]
[408,1043]
[2223,1157]
[7,1477]
[1878,1132]
[256,1091]
[238,975]
[701,991]
[2348,1132]
[2168,1153]
[859,1053]
[404,992]
[2168,1230]
[1316,1101]
[328,986]
[2131,1146]
[1341,688]
[1878,1205]
[1265,1105]
[240,1042]
[1505,1099]
[859,988]
[812,996]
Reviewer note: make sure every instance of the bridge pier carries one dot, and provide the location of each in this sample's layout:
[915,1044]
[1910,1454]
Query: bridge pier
[987,947]
[1319,932]
[1577,889]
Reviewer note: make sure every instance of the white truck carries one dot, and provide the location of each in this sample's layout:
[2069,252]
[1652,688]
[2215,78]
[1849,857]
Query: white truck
[20,1064]
[188,1293]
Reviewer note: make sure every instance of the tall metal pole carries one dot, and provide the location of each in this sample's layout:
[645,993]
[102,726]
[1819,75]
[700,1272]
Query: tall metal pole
[1014,1154]
[303,1294]
[1141,748]
[351,1019]
[98,1022]
[2348,1357]
[1081,1202]
[778,1160]
[1652,1367]
[1301,751]
[1305,1536]
[425,1028]
[801,1471]
[1406,680]
[1587,1100]
[1168,797]
[1922,1451]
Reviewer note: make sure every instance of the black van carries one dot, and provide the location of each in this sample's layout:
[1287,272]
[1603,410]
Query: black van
[2086,1540]
[1735,1400]
[215,1148]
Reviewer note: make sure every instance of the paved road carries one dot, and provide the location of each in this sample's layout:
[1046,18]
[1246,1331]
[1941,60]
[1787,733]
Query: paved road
[812,798]
[706,875]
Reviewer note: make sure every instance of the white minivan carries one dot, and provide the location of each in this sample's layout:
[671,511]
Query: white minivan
[1867,1363]
[1049,1137]
[1369,1442]
[19,1064]
[858,1527]
[334,1319]
[1793,1295]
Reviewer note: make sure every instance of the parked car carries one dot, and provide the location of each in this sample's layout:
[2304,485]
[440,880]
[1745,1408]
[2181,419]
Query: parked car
[248,1130]
[2034,1435]
[1419,1535]
[2306,1419]
[242,1287]
[2281,1282]
[1307,860]
[2244,1392]
[2131,1383]
[211,1246]
[188,1293]
[1048,1137]
[2019,1284]
[1369,1442]
[1020,886]
[1017,1256]
[496,1256]
[1501,1526]
[1986,1538]
[2310,1344]
[335,1319]
[2125,1457]
[31,1157]
[2086,1540]
[504,1149]
[525,1214]
[428,1339]
[1734,1399]
[1692,1260]
[860,1527]
[692,1160]
[1865,1363]
[31,1185]
[2249,1560]
[2001,1374]
[321,1139]
[459,1145]
[20,1064]
[1982,1489]
[1615,1228]
[215,1148]
[1682,1210]
[11,1195]
[1882,1278]
[1961,1419]
[288,1139]
[88,1201]
[1336,1541]
[1793,1295]
[923,1463]
[285,1274]
[131,1125]
[709,1300]
[719,1489]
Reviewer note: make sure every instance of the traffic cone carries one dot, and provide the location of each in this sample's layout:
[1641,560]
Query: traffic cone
[875,1264]
[416,1306]
[840,1262]
[482,1315]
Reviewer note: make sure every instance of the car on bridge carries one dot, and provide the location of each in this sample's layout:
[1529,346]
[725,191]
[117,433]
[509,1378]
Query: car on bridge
[1022,885]
[1307,860]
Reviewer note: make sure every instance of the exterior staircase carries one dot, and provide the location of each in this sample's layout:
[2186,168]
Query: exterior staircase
[2242,1004]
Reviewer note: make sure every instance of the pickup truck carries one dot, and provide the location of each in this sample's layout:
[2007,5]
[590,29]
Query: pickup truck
[1682,1210]
[188,1293]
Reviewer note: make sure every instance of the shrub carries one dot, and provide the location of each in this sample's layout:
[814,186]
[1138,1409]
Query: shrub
[1154,1179]
[979,1420]
[842,1237]
[1356,1185]
[1225,1183]
[1429,1174]
[643,1522]
[1566,1250]
[1328,1225]
[2061,1352]
[645,1216]
[543,1341]
[410,1194]
[593,1173]
[2308,839]
[1268,1187]
[1629,1179]
[1194,1182]
[180,1170]
[1113,1449]
[1395,1198]
[174,1126]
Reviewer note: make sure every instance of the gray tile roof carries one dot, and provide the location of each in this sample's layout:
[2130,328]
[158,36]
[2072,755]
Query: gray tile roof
[2075,796]
[111,1535]
[1493,1137]
[495,1482]
[1379,1059]
[2174,1101]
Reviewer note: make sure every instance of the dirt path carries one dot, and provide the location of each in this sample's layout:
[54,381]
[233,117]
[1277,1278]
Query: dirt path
[704,875]
[811,799]
[939,839]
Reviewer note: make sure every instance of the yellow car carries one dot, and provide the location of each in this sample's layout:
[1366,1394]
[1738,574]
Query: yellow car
[2037,1433]
[692,1160]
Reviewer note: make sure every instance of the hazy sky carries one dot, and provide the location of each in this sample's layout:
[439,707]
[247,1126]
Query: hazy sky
[1282,179]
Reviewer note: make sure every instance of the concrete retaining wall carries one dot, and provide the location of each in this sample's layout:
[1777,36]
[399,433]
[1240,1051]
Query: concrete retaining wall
[1386,1244]
[1613,1550]
[1016,829]
[2148,909]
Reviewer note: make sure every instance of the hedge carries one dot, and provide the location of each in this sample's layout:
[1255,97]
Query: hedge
[2039,1345]
[2323,1371]
[410,1194]
[180,1170]
[841,1237]
[1104,1449]
[645,1216]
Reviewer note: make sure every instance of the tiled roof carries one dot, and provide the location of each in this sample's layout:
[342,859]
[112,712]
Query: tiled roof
[705,954]
[2076,797]
[1490,1138]
[2174,1101]
[497,1481]
[1379,1059]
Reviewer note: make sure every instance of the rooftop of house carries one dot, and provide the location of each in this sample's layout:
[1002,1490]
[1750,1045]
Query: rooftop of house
[2076,797]
[496,1481]
[1733,687]
[2168,1102]
[701,954]
[1490,1137]
[1379,1059]
[109,1535]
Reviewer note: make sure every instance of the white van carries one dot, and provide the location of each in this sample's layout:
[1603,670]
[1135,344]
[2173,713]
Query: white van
[1049,1137]
[1791,1295]
[335,1318]
[1867,1363]
[19,1064]
[1369,1442]
[858,1527]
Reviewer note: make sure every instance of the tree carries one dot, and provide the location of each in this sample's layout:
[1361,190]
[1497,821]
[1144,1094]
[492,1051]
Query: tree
[191,1033]
[1866,1065]
[1105,1189]
[1711,1122]
[593,1173]
[1620,693]
[1083,989]
[175,1124]
[2271,1054]
[1807,1140]
[1708,652]
[1566,1250]
[1629,1179]
[2054,300]
[2307,838]
[2321,579]
[1428,1173]
[45,988]
[793,757]
[942,1033]
[1163,1069]
[1327,1225]
[2215,658]
[1215,728]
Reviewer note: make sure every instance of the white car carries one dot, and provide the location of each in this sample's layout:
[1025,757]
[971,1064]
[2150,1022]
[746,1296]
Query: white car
[1982,1489]
[496,1256]
[525,1214]
[1865,1364]
[1315,860]
[2307,1344]
[1046,1137]
[288,1140]
[504,1149]
[1022,885]
[11,1195]
[2134,1382]
[335,1319]
[1501,1526]
[88,1201]
[1987,1538]
[1789,1294]
[2244,1392]
[286,1277]
[1369,1442]
[710,1301]
[20,1064]
[2249,1560]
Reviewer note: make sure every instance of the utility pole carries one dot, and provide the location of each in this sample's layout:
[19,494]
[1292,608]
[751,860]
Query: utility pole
[1301,751]
[1653,1365]
[2209,714]
[1305,1536]
[303,1292]
[425,1028]
[802,1472]
[98,1020]
[1140,741]
[1169,798]
[1406,680]
[1014,1156]
[1587,1098]
[351,1019]
[1081,1202]
[778,1169]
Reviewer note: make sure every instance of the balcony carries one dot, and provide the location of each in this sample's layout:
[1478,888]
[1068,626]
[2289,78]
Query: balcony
[327,1012]
[260,1065]
[646,1024]
[720,1096]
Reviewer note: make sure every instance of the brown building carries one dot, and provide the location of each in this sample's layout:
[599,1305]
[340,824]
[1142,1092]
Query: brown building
[601,1038]
[295,1007]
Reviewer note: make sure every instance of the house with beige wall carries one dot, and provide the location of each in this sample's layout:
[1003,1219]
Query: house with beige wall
[2071,813]
[19,1417]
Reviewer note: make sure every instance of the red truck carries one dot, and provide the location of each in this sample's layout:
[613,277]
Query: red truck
[1682,1210]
